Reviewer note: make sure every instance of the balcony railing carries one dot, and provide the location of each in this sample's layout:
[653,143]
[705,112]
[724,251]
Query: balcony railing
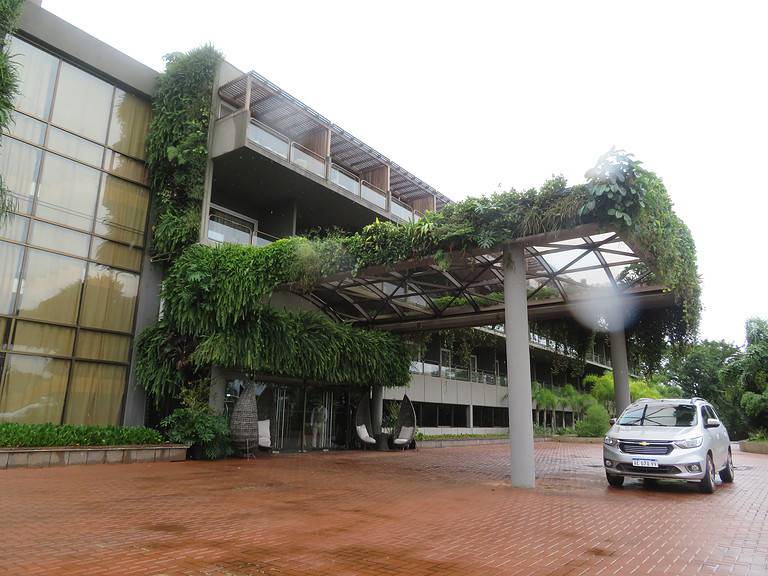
[373,194]
[269,139]
[402,210]
[344,179]
[308,160]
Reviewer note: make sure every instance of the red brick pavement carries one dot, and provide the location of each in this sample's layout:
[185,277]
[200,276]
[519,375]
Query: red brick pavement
[427,513]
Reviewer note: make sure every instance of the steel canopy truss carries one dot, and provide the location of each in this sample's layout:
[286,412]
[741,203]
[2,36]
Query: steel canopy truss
[561,269]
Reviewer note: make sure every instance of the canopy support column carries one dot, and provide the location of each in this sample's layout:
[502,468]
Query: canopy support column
[620,368]
[377,409]
[522,466]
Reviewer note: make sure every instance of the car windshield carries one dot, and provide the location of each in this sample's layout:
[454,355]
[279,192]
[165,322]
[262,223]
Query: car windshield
[677,415]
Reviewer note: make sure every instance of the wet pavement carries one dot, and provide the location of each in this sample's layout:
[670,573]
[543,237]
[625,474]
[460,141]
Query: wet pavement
[427,512]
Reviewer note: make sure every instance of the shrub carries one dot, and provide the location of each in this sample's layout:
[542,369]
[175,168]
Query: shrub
[759,436]
[13,435]
[595,423]
[198,425]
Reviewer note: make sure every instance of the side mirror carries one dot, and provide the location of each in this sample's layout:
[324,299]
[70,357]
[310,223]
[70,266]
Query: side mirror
[712,423]
[612,421]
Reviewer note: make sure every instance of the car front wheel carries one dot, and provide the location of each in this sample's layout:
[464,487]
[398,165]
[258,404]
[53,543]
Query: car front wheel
[615,480]
[707,485]
[726,474]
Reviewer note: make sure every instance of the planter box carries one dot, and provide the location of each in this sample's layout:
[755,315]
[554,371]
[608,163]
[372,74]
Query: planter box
[448,443]
[578,439]
[754,446]
[73,455]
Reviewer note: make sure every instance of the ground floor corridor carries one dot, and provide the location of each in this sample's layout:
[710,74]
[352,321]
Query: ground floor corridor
[428,512]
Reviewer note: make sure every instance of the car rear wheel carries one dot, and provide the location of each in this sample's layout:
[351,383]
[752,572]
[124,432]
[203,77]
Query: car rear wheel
[726,474]
[707,485]
[615,480]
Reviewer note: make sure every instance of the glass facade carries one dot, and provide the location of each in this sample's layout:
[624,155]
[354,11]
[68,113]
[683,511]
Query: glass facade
[71,253]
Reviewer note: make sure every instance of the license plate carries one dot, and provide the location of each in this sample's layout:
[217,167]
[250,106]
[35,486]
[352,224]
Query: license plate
[645,463]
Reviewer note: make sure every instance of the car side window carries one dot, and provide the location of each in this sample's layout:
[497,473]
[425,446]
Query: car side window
[708,412]
[704,415]
[714,414]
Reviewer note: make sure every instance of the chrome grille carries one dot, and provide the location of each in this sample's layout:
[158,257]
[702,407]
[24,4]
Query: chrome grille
[651,448]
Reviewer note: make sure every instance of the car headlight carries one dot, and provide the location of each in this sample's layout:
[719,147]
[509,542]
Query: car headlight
[689,443]
[608,441]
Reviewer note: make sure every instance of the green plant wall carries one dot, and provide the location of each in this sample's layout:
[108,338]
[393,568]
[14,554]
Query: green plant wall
[10,10]
[177,148]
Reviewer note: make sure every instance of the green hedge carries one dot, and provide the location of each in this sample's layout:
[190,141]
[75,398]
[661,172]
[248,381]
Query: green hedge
[14,435]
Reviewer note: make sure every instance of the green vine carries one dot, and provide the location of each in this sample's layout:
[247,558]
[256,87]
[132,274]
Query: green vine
[10,10]
[177,148]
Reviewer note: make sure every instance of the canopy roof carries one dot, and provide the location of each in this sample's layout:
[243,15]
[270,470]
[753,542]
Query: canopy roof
[562,269]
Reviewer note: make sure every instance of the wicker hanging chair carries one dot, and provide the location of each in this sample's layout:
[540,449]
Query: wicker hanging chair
[406,424]
[244,423]
[363,425]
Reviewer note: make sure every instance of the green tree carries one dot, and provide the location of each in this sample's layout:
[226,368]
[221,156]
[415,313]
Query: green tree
[744,378]
[698,372]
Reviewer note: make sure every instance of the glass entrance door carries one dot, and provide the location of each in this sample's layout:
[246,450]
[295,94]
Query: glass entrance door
[289,418]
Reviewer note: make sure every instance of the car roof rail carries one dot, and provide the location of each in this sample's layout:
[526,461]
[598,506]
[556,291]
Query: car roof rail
[698,398]
[645,399]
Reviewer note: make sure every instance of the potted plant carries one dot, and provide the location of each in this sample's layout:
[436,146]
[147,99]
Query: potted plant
[194,423]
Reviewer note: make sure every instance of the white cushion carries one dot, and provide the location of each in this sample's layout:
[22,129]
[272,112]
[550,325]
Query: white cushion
[404,437]
[264,439]
[362,432]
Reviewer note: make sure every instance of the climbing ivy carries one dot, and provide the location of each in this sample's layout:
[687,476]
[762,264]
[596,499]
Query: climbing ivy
[177,147]
[10,11]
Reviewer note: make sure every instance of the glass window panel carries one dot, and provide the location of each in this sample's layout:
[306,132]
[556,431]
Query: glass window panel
[110,298]
[10,270]
[32,389]
[27,128]
[75,147]
[19,166]
[58,238]
[587,261]
[102,346]
[51,288]
[42,338]
[125,167]
[82,103]
[14,227]
[67,192]
[122,211]
[114,254]
[559,259]
[5,324]
[129,124]
[95,394]
[37,74]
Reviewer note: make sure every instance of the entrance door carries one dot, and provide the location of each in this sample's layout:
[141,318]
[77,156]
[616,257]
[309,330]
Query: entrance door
[289,418]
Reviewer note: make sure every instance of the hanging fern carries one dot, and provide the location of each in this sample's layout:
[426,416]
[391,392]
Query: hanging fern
[10,11]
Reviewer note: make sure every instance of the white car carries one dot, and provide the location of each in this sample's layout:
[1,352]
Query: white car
[668,439]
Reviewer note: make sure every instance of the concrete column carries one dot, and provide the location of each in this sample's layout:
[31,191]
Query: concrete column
[377,409]
[218,390]
[522,467]
[620,368]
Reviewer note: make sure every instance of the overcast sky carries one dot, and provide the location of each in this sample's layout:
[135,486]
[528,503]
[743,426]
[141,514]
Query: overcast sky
[470,96]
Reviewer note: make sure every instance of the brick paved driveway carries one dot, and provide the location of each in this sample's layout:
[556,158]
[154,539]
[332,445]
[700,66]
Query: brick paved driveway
[432,512]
